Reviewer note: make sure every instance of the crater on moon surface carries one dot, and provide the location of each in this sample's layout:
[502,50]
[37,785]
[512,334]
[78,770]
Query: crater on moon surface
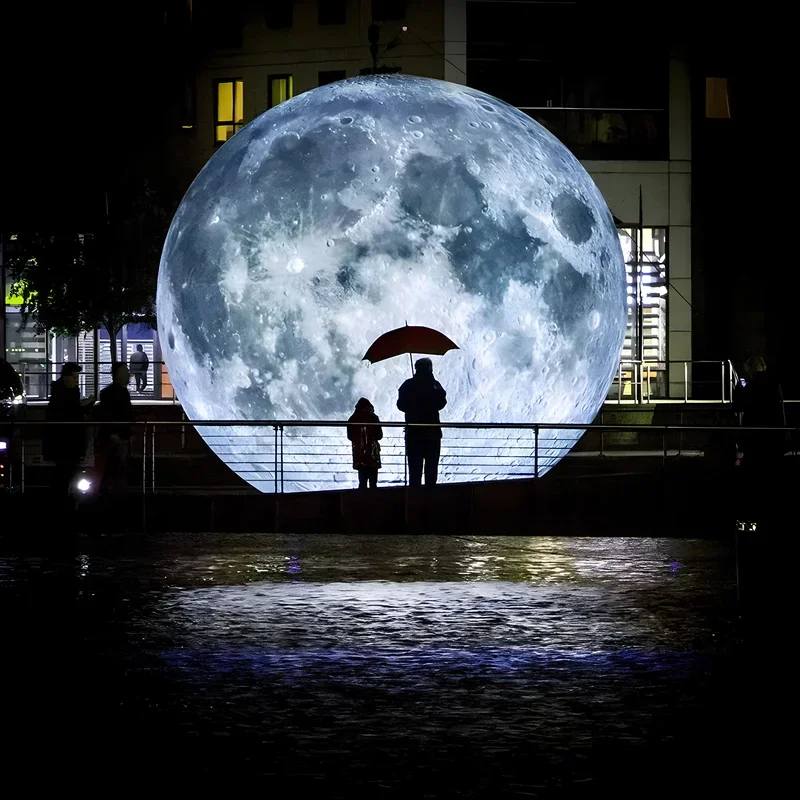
[361,205]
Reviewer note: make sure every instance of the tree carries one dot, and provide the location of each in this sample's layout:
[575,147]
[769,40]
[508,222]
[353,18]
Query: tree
[73,283]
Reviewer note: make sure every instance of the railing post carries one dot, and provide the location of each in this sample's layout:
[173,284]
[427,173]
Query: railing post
[275,470]
[405,457]
[144,459]
[722,365]
[536,450]
[22,461]
[281,441]
[664,435]
[619,384]
[602,434]
[685,381]
[153,460]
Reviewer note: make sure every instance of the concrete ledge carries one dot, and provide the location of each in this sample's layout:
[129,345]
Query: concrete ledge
[688,500]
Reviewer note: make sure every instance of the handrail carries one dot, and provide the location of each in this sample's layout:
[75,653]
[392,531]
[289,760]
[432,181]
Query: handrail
[643,372]
[273,453]
[293,423]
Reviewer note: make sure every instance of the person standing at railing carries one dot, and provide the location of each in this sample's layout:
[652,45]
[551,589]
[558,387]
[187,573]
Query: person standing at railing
[758,399]
[365,434]
[140,363]
[65,445]
[421,398]
[114,440]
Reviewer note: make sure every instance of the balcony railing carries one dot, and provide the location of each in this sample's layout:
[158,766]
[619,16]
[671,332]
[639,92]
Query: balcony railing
[37,377]
[608,134]
[643,382]
[634,381]
[290,455]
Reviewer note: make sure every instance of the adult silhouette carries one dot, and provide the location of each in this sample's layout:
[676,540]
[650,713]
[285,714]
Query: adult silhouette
[421,398]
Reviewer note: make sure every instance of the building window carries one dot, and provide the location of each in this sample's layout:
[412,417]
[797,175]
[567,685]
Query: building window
[388,10]
[279,14]
[281,87]
[332,12]
[331,76]
[717,103]
[229,111]
[644,354]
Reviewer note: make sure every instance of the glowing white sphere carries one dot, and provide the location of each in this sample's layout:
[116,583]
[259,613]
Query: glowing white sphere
[364,204]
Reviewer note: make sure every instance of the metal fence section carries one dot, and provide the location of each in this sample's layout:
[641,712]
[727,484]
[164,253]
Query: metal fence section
[37,377]
[635,382]
[643,382]
[289,455]
[292,456]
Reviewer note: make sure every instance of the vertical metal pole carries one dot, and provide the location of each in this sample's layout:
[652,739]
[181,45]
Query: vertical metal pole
[281,459]
[153,460]
[685,381]
[649,389]
[722,364]
[664,435]
[22,463]
[275,470]
[144,460]
[405,457]
[619,385]
[536,450]
[736,555]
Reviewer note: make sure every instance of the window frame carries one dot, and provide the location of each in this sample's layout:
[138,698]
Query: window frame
[237,126]
[274,77]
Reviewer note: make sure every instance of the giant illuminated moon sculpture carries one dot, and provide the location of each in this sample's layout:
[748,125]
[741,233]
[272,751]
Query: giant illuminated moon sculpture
[363,204]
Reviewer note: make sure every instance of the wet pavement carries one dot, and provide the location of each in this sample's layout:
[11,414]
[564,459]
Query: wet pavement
[368,666]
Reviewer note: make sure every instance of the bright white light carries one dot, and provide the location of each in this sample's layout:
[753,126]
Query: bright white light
[358,206]
[84,485]
[3,445]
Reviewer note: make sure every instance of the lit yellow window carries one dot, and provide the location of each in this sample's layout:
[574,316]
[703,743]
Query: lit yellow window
[229,115]
[281,87]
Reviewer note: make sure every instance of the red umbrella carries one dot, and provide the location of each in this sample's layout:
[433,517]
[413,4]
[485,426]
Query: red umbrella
[409,339]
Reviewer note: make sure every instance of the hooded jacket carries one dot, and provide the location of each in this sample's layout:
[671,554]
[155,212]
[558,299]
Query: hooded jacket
[365,438]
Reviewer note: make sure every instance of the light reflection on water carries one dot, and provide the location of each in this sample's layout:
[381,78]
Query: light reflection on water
[331,650]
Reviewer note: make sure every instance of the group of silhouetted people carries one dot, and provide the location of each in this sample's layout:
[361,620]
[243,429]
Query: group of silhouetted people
[65,444]
[421,398]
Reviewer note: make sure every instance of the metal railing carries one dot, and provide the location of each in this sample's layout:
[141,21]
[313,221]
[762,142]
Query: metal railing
[277,456]
[634,381]
[37,376]
[644,381]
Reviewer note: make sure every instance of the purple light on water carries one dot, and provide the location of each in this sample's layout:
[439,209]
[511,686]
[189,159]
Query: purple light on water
[674,566]
[294,565]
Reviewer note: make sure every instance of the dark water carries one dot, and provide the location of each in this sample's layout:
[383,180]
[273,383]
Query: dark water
[344,666]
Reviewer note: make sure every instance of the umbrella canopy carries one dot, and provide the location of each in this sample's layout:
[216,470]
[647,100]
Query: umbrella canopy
[409,339]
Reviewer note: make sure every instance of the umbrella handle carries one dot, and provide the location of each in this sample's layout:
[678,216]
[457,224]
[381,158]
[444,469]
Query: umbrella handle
[411,361]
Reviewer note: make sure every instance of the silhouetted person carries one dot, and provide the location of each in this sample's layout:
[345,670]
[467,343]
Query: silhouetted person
[140,363]
[10,382]
[114,440]
[760,403]
[422,398]
[65,445]
[365,440]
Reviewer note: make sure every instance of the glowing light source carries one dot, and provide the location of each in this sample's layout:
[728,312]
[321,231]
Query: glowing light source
[344,212]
